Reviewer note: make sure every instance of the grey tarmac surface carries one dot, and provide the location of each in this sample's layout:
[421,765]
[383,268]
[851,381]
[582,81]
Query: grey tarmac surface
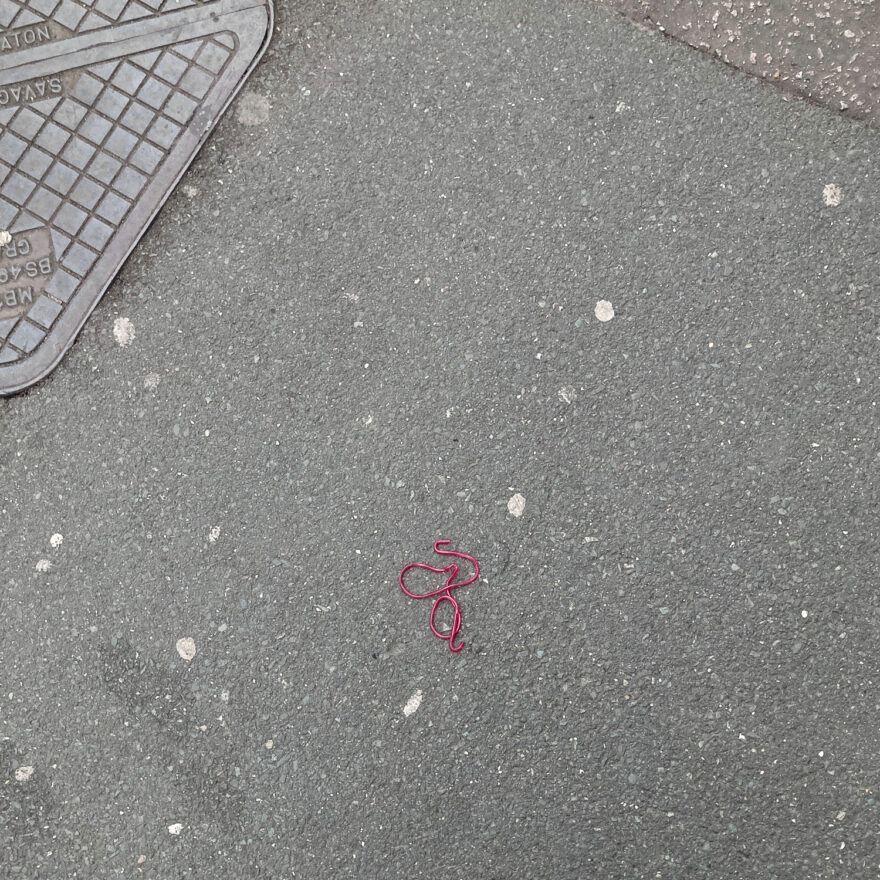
[364,322]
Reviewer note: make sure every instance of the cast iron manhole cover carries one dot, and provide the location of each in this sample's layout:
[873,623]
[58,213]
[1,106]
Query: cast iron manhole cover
[103,104]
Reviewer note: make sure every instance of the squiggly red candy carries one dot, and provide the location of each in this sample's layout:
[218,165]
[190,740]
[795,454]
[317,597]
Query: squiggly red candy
[444,594]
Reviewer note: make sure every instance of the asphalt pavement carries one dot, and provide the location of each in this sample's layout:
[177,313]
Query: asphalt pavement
[598,309]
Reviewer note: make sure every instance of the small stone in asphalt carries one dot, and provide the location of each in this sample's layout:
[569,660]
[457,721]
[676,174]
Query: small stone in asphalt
[604,310]
[516,505]
[186,647]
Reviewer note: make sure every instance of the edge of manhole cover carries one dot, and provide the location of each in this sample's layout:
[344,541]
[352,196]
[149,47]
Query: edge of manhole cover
[103,106]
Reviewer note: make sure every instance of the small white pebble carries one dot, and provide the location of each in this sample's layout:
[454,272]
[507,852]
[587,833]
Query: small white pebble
[5,237]
[24,773]
[413,703]
[190,191]
[841,815]
[805,614]
[832,195]
[56,540]
[175,829]
[123,331]
[186,647]
[566,394]
[604,310]
[268,744]
[151,383]
[43,565]
[516,505]
[214,534]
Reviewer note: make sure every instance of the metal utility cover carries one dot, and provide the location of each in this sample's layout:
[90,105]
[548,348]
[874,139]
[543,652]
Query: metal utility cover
[103,104]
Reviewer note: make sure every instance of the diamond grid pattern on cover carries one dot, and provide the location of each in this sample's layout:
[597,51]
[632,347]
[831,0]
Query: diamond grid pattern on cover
[77,164]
